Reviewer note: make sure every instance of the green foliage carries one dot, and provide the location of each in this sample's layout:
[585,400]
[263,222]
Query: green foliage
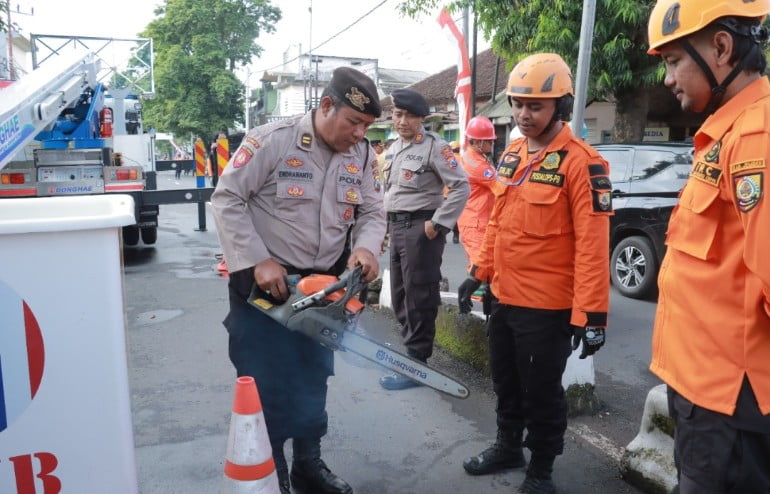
[516,28]
[463,336]
[198,45]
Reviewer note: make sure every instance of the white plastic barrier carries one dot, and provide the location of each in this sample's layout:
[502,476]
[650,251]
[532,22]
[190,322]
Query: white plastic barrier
[65,416]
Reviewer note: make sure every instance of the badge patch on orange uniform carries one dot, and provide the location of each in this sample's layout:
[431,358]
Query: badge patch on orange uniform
[556,179]
[748,191]
[713,155]
[242,157]
[551,162]
[602,201]
[747,165]
[706,173]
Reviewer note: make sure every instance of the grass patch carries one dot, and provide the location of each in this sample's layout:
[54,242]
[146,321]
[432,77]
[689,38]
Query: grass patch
[463,336]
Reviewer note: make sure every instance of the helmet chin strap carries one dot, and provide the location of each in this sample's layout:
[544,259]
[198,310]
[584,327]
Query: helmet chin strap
[717,89]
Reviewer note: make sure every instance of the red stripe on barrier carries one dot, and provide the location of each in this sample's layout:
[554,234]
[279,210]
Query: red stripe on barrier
[249,472]
[200,159]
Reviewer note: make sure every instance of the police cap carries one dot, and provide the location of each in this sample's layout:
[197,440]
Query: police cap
[356,90]
[411,101]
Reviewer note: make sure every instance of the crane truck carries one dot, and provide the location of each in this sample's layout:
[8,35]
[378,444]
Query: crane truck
[59,137]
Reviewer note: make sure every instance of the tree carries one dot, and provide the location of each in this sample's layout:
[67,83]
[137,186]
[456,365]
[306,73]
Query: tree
[198,45]
[620,66]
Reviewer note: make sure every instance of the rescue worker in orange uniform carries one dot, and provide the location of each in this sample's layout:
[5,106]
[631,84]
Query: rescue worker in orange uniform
[546,253]
[480,133]
[711,340]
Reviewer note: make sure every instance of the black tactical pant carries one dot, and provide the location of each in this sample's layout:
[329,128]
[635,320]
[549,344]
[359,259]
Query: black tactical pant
[415,273]
[721,454]
[289,368]
[528,351]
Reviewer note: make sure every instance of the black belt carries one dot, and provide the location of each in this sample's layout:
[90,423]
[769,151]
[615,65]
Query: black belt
[406,216]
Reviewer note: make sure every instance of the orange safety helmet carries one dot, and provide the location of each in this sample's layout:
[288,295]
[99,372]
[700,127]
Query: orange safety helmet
[544,75]
[480,128]
[674,19]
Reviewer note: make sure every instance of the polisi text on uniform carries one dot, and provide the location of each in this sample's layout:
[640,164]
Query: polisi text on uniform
[349,180]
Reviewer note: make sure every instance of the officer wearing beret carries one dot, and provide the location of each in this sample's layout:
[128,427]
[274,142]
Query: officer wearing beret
[418,165]
[284,205]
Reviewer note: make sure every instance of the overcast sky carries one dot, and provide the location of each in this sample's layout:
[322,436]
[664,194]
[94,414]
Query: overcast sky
[398,43]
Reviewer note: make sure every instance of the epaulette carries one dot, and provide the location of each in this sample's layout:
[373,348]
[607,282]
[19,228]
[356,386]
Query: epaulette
[754,120]
[269,128]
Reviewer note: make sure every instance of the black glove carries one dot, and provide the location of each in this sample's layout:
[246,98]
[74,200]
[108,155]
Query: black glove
[592,338]
[486,301]
[464,292]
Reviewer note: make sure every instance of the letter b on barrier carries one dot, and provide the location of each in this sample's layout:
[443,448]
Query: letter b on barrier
[24,471]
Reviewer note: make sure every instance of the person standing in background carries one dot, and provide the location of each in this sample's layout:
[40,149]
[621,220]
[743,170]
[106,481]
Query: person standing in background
[480,133]
[418,167]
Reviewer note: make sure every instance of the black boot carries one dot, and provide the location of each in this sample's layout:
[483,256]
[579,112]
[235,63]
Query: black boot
[538,479]
[314,477]
[281,467]
[505,453]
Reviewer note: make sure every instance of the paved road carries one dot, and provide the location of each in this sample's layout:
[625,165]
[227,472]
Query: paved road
[382,442]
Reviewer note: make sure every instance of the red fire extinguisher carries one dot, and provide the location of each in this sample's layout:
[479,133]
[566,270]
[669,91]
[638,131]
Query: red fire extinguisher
[105,122]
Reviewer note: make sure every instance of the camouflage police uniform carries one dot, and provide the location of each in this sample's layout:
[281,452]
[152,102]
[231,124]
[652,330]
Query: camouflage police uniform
[286,196]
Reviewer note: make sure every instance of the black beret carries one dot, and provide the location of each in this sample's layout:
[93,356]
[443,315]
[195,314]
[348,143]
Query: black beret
[411,101]
[356,90]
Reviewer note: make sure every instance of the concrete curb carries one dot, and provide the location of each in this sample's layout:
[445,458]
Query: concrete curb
[648,461]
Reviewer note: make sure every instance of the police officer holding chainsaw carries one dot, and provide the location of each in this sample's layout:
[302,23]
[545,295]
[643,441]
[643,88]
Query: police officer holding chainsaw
[285,205]
[418,165]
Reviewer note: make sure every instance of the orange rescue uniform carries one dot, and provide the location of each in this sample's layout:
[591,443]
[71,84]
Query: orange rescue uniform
[474,218]
[712,325]
[547,242]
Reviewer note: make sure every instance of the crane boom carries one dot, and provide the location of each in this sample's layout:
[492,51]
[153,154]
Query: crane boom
[30,105]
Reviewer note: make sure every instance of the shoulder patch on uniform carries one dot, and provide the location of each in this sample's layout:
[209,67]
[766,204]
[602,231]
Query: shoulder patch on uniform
[601,200]
[550,178]
[748,191]
[601,183]
[707,173]
[242,157]
[747,165]
[713,155]
[597,169]
[449,156]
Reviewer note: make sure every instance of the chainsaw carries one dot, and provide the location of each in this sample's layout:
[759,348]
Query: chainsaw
[324,308]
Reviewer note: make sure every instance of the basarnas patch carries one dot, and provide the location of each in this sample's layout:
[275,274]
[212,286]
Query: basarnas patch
[748,191]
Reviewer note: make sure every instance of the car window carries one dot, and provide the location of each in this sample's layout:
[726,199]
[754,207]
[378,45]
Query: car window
[620,163]
[660,165]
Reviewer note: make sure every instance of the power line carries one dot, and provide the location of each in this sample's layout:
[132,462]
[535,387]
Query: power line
[328,39]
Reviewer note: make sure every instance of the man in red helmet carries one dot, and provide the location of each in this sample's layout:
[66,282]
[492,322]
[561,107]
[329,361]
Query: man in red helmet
[711,345]
[481,137]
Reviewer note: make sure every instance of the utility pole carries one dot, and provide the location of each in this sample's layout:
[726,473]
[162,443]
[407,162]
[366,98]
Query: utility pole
[584,62]
[11,66]
[11,69]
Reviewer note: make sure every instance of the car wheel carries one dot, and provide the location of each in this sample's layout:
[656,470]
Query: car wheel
[130,235]
[634,268]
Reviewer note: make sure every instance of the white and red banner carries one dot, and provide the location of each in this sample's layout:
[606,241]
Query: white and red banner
[463,89]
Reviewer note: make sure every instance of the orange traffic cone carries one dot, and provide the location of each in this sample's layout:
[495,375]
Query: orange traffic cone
[249,465]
